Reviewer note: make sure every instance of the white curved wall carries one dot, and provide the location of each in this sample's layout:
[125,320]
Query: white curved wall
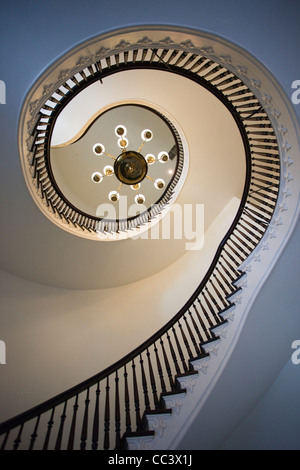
[275,411]
[75,334]
[254,365]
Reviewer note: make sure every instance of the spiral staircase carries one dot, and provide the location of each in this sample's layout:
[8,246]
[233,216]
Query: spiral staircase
[141,401]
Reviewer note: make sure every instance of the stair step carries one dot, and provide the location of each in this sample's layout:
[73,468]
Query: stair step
[147,413]
[157,412]
[138,440]
[241,281]
[187,380]
[235,295]
[169,397]
[175,392]
[209,341]
[228,312]
[174,400]
[147,432]
[185,374]
[220,329]
[212,345]
[223,322]
[200,364]
[226,309]
[156,420]
[241,274]
[200,356]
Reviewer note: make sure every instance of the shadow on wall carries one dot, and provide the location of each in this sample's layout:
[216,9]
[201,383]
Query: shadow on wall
[274,422]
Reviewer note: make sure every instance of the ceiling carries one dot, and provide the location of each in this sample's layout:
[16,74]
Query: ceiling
[73,162]
[216,174]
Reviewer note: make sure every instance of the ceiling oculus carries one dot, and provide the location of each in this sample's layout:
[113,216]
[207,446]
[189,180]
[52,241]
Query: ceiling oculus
[129,155]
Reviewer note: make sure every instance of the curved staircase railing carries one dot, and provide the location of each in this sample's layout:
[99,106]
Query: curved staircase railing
[104,410]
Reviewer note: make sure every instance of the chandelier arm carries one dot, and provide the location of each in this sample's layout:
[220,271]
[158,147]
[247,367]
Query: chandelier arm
[108,154]
[150,178]
[142,144]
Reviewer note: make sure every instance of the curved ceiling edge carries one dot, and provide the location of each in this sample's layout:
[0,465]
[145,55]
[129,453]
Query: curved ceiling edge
[40,106]
[245,66]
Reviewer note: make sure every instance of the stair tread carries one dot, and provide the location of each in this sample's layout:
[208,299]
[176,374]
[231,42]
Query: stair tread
[197,358]
[175,392]
[228,306]
[223,322]
[238,289]
[186,374]
[158,411]
[211,340]
[242,273]
[147,432]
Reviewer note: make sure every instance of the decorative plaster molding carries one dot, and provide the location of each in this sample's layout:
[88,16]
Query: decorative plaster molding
[174,402]
[229,314]
[139,442]
[158,422]
[201,365]
[188,382]
[236,297]
[212,347]
[241,282]
[220,330]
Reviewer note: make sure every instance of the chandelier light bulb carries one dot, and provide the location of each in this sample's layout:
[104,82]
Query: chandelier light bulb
[108,170]
[159,183]
[120,131]
[98,149]
[150,159]
[135,187]
[147,135]
[113,196]
[163,157]
[139,199]
[97,177]
[122,142]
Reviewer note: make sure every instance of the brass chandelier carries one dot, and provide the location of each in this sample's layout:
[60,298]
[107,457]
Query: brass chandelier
[130,167]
